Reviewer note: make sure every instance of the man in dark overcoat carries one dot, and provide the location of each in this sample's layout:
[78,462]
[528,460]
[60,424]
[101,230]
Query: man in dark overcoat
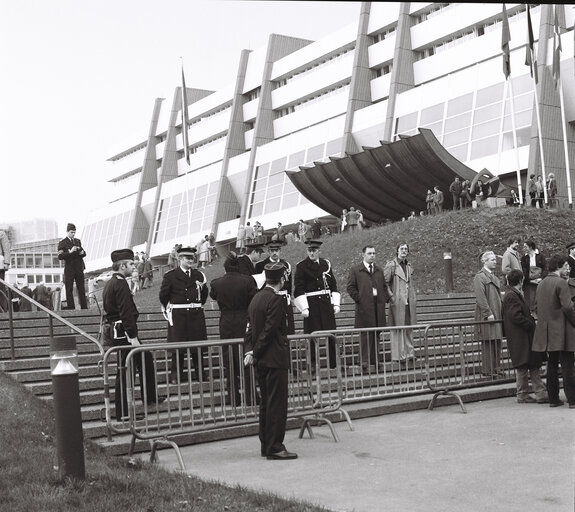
[183,293]
[248,260]
[555,330]
[233,292]
[274,250]
[121,329]
[519,327]
[267,347]
[71,252]
[316,296]
[366,286]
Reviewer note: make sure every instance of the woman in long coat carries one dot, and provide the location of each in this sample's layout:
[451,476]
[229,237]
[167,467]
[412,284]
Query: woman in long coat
[398,274]
[488,307]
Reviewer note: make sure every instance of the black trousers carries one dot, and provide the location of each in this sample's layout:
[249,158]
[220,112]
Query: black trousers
[368,343]
[146,373]
[566,360]
[273,408]
[69,277]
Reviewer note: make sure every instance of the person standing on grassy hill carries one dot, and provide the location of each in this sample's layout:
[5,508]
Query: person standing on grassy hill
[519,328]
[366,286]
[555,330]
[121,329]
[438,199]
[316,296]
[488,308]
[267,348]
[511,257]
[455,189]
[398,274]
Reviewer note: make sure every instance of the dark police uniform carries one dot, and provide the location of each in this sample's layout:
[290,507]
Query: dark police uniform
[73,271]
[315,281]
[121,319]
[267,338]
[233,293]
[285,291]
[188,295]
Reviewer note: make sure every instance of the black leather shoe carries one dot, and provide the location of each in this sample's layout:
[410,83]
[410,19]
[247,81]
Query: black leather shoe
[556,404]
[543,400]
[283,455]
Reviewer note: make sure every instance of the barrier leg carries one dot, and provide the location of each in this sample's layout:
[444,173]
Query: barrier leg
[343,413]
[305,425]
[446,392]
[173,444]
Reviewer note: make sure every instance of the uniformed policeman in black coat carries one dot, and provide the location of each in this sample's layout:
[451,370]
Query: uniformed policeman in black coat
[121,329]
[316,296]
[267,347]
[70,250]
[233,292]
[274,247]
[183,293]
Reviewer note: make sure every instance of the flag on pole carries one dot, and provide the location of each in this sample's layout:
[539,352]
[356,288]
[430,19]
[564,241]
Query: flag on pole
[530,59]
[505,38]
[185,120]
[556,51]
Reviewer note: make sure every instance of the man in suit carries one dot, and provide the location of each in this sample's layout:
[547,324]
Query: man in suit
[438,199]
[183,293]
[267,347]
[248,260]
[555,330]
[455,189]
[234,292]
[511,257]
[488,307]
[366,286]
[519,328]
[316,296]
[274,250]
[121,329]
[70,250]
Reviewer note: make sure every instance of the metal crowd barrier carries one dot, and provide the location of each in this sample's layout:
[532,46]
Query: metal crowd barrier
[459,356]
[223,393]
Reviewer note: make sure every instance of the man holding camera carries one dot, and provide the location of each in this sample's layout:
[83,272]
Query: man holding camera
[70,250]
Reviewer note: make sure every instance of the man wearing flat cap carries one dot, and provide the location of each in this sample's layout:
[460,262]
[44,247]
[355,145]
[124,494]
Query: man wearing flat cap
[267,348]
[248,261]
[70,250]
[233,292]
[183,293]
[121,329]
[316,296]
[274,248]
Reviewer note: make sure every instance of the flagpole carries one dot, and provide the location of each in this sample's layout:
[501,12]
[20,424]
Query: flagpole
[186,154]
[501,126]
[515,141]
[540,139]
[567,167]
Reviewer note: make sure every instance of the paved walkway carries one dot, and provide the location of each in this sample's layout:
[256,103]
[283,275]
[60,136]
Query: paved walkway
[501,456]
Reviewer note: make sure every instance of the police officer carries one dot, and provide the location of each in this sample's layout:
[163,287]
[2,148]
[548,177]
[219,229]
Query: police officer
[316,296]
[183,293]
[233,292]
[267,348]
[121,329]
[274,249]
[70,250]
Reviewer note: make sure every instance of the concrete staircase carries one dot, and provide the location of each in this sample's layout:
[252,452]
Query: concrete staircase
[31,366]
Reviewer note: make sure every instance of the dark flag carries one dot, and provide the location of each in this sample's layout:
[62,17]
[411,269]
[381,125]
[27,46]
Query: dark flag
[556,51]
[530,59]
[505,38]
[185,120]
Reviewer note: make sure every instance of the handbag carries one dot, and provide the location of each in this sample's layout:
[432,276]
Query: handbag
[534,273]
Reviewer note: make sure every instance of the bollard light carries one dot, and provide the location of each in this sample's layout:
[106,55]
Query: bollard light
[66,389]
[448,265]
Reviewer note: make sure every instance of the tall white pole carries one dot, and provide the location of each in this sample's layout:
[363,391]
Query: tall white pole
[501,125]
[515,141]
[540,138]
[563,126]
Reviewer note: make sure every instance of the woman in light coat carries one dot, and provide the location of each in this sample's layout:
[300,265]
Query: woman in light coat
[398,274]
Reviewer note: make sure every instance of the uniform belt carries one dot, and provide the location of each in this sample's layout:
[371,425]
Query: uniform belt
[193,305]
[319,292]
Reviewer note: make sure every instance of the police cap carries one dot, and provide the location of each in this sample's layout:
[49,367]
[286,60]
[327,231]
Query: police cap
[570,246]
[186,251]
[313,244]
[122,254]
[274,271]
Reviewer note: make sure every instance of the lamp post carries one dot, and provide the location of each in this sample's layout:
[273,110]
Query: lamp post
[66,390]
[447,263]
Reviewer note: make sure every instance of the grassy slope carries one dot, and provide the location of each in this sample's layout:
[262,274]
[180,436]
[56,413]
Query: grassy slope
[467,234]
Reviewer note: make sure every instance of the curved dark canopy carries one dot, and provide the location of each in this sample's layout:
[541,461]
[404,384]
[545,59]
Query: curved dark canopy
[385,182]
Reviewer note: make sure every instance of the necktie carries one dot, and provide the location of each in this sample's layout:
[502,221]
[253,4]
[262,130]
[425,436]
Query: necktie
[371,268]
[188,273]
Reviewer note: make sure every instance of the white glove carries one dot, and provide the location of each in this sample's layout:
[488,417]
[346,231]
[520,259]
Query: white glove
[135,342]
[336,309]
[305,313]
[249,359]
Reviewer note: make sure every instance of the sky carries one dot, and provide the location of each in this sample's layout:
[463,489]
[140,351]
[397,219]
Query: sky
[79,80]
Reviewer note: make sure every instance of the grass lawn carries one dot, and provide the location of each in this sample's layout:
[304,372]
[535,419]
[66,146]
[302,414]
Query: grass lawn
[30,482]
